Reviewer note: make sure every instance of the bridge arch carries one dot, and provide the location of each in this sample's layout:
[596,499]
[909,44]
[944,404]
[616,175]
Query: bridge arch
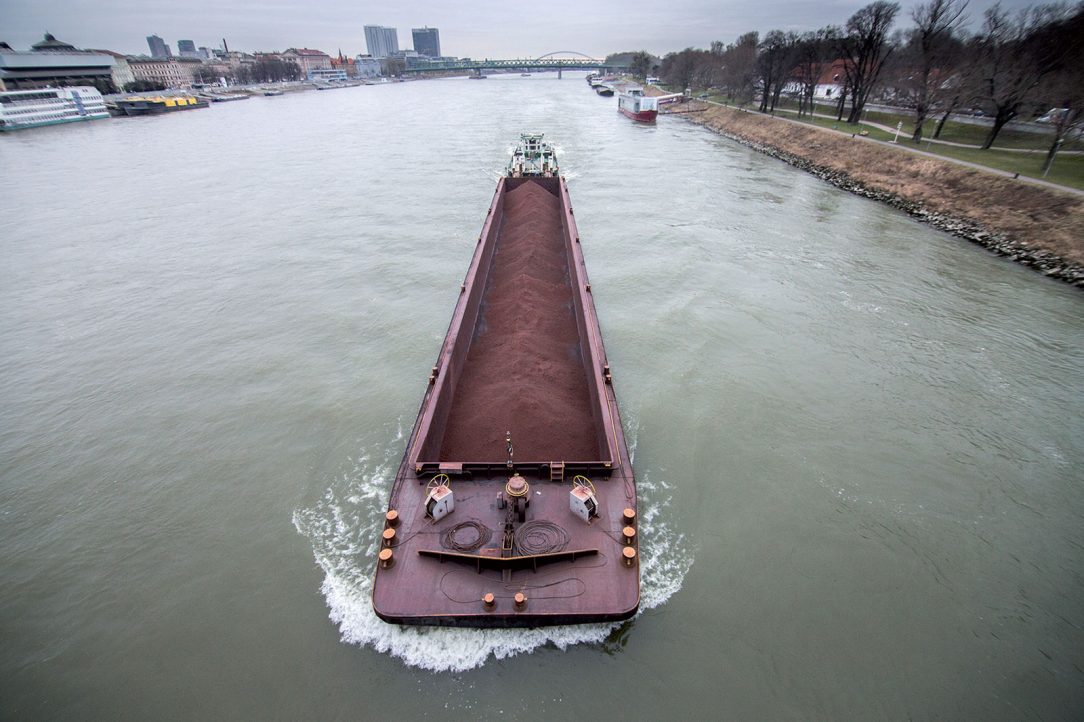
[565,52]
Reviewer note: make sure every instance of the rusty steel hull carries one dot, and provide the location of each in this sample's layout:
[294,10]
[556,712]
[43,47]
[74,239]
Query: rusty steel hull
[523,354]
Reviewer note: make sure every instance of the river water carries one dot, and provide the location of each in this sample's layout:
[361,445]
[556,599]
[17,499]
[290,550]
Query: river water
[859,441]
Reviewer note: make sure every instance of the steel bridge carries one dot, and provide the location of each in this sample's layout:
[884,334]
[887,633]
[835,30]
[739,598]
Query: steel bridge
[543,62]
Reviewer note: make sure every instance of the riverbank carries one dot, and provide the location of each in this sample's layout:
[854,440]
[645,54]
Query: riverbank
[1037,226]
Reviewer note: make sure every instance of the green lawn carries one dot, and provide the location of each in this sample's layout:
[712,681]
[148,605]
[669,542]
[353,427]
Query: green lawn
[974,134]
[953,131]
[1067,170]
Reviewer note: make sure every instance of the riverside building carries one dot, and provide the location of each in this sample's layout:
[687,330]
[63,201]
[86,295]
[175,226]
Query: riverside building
[381,41]
[53,63]
[121,72]
[426,41]
[165,71]
[158,47]
[367,66]
[308,60]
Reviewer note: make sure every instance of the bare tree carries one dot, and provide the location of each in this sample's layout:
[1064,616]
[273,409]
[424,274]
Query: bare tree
[708,70]
[776,60]
[813,55]
[960,87]
[844,89]
[739,63]
[1014,56]
[1064,87]
[930,51]
[865,48]
[205,74]
[640,65]
[678,68]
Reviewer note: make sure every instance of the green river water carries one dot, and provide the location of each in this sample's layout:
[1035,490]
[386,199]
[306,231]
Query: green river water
[859,441]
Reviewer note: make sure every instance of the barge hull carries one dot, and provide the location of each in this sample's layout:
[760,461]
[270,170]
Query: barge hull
[644,116]
[523,354]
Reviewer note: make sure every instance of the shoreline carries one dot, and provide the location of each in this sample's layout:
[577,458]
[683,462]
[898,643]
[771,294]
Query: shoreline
[1035,226]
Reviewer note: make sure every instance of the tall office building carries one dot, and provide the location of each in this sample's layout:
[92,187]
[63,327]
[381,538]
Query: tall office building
[158,47]
[187,49]
[381,41]
[426,42]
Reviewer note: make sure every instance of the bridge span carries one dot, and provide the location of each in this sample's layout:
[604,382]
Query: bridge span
[544,62]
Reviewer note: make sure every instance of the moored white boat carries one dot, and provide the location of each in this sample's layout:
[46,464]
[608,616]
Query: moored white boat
[633,103]
[21,109]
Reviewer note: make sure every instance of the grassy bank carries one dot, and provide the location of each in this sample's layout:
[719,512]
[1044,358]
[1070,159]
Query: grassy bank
[1068,169]
[1015,151]
[953,132]
[1035,225]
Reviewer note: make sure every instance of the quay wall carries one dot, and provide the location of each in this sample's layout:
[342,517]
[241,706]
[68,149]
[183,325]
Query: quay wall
[1034,225]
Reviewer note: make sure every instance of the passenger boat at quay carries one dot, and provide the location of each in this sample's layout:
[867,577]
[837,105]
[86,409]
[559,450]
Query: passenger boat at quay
[633,103]
[158,105]
[21,109]
[515,501]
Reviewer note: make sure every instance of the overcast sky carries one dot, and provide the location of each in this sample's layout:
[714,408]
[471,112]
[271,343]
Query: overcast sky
[479,29]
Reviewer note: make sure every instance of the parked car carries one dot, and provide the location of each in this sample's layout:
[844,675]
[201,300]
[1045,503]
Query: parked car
[1053,115]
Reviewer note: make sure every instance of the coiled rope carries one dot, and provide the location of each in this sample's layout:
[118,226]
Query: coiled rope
[452,539]
[540,537]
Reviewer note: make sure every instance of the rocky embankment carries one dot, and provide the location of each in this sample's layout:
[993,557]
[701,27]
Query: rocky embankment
[1034,225]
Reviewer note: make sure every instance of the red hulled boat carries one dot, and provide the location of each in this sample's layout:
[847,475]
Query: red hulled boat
[633,103]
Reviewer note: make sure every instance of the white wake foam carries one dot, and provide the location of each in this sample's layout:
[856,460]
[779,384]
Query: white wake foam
[345,524]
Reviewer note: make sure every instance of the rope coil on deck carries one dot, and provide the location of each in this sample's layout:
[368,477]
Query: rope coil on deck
[451,539]
[540,537]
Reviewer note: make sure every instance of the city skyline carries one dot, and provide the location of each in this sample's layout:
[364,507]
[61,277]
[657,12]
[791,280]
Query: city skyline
[605,27]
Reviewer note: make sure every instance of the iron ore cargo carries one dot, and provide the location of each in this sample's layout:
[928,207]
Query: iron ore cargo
[515,502]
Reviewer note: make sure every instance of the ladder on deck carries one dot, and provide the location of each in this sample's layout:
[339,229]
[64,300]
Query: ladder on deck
[557,471]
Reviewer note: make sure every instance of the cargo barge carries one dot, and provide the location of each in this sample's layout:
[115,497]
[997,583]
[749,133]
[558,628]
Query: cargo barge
[515,501]
[158,105]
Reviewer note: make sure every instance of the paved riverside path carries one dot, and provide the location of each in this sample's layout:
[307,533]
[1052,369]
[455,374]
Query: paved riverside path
[918,151]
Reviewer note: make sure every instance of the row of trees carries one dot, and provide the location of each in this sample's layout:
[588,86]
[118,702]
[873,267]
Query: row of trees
[265,70]
[1013,65]
[143,86]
